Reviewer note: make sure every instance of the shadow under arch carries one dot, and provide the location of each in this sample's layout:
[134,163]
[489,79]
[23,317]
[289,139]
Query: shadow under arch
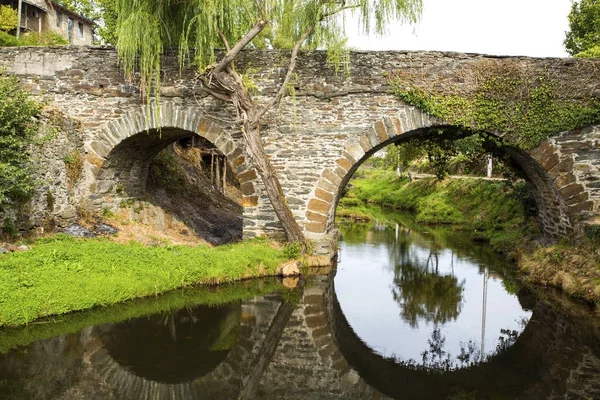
[512,373]
[410,123]
[120,152]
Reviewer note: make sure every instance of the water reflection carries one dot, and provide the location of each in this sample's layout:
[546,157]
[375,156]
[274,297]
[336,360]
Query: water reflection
[174,347]
[441,304]
[265,342]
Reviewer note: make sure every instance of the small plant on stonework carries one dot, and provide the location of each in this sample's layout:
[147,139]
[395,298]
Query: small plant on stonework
[291,250]
[107,213]
[8,228]
[50,201]
[74,165]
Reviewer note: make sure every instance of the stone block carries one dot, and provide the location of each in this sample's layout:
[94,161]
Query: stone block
[100,148]
[247,176]
[344,163]
[249,201]
[332,177]
[324,195]
[319,206]
[393,126]
[316,227]
[566,165]
[551,162]
[565,180]
[354,150]
[247,188]
[577,208]
[326,185]
[365,143]
[571,190]
[381,131]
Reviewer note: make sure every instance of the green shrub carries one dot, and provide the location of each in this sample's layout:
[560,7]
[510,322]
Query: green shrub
[18,128]
[7,40]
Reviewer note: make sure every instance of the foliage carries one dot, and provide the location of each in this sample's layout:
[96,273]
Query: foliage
[7,40]
[146,27]
[62,274]
[108,29]
[9,18]
[490,210]
[18,127]
[583,38]
[291,250]
[426,295]
[42,39]
[524,107]
[74,165]
[32,39]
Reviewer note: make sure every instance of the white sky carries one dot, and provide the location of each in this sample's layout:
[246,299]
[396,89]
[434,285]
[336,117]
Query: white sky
[501,27]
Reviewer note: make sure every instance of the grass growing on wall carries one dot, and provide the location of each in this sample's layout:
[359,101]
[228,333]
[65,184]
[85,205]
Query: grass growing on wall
[62,274]
[491,210]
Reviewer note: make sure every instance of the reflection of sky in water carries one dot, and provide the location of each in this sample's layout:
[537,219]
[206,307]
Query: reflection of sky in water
[364,284]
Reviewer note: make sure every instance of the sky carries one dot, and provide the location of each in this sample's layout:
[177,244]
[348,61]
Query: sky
[501,27]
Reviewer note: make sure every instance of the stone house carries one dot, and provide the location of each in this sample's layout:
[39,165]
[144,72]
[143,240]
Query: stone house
[47,15]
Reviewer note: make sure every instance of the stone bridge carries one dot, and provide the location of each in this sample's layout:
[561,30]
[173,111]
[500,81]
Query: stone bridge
[316,139]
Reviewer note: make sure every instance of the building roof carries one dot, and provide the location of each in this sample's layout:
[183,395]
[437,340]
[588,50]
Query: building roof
[41,4]
[65,10]
[46,5]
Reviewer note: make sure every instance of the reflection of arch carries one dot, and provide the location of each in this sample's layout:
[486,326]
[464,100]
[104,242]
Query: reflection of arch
[522,368]
[222,382]
[121,151]
[410,122]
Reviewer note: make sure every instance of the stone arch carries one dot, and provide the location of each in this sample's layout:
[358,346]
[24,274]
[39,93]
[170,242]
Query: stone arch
[409,122]
[118,154]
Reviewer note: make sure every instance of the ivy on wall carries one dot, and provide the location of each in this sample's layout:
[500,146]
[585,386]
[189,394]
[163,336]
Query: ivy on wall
[521,105]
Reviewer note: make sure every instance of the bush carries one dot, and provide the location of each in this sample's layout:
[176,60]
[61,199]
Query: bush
[7,40]
[18,127]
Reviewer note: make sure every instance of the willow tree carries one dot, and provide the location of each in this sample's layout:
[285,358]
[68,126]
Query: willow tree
[146,27]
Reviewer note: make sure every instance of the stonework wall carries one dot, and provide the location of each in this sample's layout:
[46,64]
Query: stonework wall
[316,139]
[56,197]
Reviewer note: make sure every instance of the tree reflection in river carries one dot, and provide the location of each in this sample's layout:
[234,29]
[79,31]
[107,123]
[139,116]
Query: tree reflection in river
[425,294]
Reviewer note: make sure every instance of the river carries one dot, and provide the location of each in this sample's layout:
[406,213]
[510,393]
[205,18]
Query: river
[409,313]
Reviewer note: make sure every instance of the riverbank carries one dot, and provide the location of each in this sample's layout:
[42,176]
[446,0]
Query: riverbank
[492,211]
[61,274]
[497,212]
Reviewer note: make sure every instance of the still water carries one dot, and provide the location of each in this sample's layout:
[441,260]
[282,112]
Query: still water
[409,313]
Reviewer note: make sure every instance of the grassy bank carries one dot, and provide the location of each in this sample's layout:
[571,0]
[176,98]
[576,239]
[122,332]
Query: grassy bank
[61,274]
[490,210]
[168,302]
[572,267]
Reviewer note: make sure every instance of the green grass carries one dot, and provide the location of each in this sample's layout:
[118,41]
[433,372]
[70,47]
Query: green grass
[171,301]
[61,274]
[490,210]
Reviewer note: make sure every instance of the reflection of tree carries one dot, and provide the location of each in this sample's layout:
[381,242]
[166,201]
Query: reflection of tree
[437,358]
[424,294]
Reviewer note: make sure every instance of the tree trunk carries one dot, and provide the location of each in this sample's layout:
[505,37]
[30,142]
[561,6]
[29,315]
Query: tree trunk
[227,85]
[272,186]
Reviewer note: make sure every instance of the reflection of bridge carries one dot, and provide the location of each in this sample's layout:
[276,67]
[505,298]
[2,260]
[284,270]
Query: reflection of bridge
[318,356]
[338,122]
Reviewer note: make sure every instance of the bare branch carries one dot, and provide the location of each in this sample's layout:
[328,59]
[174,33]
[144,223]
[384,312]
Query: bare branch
[239,46]
[224,39]
[218,95]
[290,72]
